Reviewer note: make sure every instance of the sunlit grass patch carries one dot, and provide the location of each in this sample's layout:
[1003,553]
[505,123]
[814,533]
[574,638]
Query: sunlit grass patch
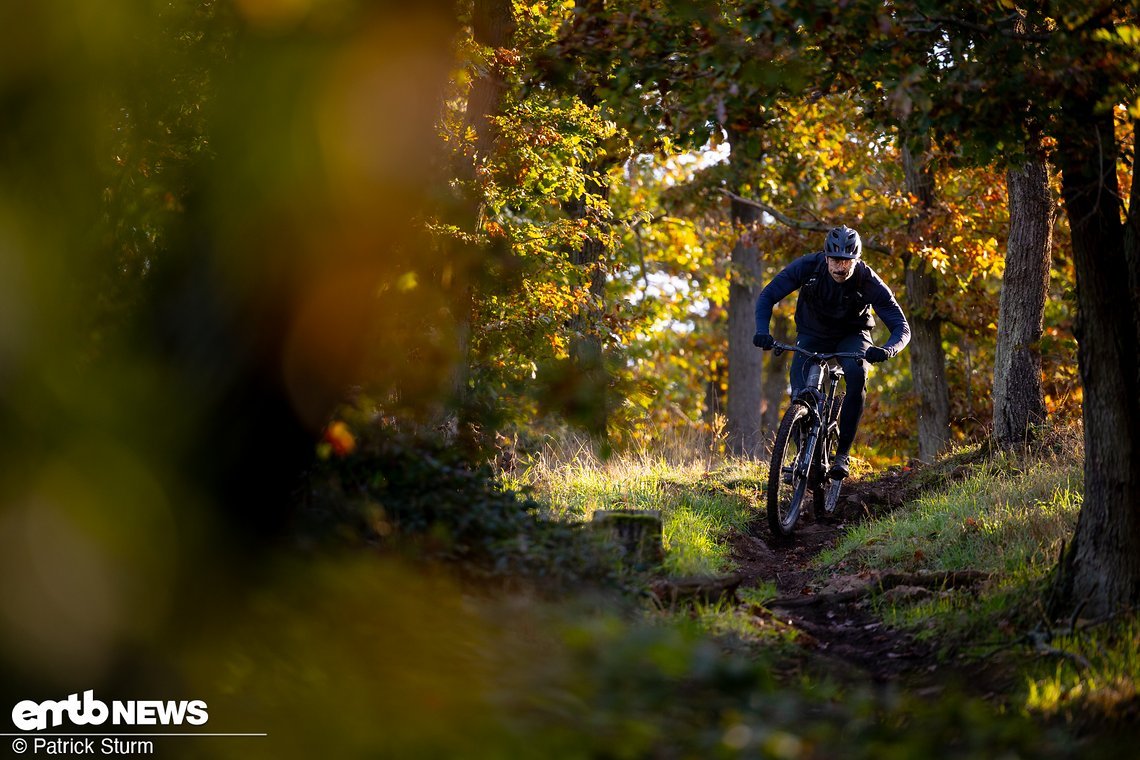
[700,503]
[725,619]
[1095,677]
[760,594]
[973,620]
[1009,518]
[999,520]
[745,621]
[692,527]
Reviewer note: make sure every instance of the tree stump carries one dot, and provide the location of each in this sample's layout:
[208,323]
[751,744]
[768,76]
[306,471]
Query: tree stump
[636,532]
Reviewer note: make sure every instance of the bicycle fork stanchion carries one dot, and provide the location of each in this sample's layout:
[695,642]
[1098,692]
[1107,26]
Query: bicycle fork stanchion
[807,451]
[812,396]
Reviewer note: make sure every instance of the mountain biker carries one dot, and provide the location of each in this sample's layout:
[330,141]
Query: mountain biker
[838,290]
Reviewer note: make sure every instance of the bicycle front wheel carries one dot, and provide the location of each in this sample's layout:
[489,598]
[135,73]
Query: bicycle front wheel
[787,480]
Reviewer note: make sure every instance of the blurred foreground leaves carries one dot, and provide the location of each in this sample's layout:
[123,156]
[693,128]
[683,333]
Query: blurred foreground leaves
[204,210]
[361,659]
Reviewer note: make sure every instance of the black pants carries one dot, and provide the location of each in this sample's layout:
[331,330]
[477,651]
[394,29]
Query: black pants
[854,373]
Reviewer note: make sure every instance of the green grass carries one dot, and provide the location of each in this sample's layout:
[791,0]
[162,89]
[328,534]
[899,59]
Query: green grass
[1094,682]
[700,503]
[1008,517]
[1006,514]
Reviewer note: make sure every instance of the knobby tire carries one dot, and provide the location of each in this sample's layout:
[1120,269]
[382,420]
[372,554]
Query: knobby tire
[786,499]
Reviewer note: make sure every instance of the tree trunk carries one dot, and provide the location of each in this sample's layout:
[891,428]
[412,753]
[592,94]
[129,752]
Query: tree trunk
[1132,226]
[492,26]
[717,381]
[1103,570]
[927,357]
[1018,403]
[588,405]
[713,400]
[743,408]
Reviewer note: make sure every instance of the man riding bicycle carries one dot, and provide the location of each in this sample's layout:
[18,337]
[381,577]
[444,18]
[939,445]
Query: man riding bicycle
[833,314]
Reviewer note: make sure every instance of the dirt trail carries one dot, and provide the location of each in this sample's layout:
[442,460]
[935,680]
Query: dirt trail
[845,632]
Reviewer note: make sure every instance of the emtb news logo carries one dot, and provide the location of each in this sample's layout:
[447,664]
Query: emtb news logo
[88,711]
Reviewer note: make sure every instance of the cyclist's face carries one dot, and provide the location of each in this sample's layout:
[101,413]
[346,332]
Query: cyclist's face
[840,269]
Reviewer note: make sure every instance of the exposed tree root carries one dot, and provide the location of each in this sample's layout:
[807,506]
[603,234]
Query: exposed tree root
[935,580]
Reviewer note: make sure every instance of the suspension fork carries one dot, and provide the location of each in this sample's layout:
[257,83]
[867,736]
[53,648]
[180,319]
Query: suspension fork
[825,420]
[815,425]
[831,379]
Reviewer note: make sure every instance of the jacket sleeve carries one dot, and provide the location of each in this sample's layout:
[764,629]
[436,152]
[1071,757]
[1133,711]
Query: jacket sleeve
[887,308]
[788,280]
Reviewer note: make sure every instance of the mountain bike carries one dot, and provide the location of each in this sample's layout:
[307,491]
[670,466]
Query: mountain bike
[806,444]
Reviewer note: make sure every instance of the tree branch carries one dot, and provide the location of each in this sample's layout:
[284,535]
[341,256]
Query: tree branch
[798,224]
[780,217]
[985,29]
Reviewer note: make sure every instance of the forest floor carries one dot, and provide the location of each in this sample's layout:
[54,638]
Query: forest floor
[915,620]
[832,611]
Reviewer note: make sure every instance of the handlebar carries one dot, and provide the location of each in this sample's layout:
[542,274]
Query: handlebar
[779,348]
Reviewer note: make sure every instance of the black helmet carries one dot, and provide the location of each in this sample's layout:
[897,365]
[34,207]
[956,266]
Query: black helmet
[843,243]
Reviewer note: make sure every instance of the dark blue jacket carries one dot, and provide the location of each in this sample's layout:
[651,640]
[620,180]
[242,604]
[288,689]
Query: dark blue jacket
[831,310]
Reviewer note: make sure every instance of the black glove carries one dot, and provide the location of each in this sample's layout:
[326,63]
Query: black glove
[763,340]
[875,355]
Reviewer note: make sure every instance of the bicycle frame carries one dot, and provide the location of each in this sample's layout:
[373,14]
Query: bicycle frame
[812,414]
[817,400]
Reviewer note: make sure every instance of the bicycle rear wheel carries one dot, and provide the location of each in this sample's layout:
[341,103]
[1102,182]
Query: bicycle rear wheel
[825,491]
[786,479]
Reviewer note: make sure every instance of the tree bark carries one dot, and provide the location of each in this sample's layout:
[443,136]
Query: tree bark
[744,359]
[1103,566]
[1017,395]
[492,26]
[927,356]
[1132,226]
[714,403]
[588,407]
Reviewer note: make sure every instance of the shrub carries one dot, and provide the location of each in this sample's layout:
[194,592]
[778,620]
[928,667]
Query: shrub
[421,496]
